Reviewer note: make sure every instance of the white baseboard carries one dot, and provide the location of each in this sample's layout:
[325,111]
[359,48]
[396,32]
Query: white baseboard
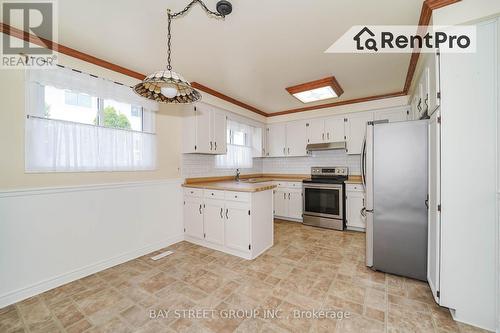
[38,288]
[458,318]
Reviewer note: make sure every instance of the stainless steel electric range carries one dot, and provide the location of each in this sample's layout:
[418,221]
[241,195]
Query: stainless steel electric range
[324,199]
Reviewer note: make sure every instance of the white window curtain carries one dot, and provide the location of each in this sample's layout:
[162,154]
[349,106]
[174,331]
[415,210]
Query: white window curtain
[64,78]
[63,146]
[239,147]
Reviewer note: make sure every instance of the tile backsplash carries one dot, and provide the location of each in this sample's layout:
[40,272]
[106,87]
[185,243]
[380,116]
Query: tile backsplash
[194,165]
[197,165]
[302,165]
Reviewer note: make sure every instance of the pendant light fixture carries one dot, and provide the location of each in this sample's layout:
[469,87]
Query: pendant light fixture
[167,86]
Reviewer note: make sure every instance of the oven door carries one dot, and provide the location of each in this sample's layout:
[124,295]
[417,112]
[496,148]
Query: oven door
[323,200]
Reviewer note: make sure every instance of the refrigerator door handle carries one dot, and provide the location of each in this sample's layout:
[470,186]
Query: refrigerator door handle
[363,163]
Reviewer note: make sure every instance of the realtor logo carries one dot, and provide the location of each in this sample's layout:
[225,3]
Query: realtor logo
[406,39]
[370,42]
[35,19]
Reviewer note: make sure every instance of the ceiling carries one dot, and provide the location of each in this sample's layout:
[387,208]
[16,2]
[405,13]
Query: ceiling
[254,54]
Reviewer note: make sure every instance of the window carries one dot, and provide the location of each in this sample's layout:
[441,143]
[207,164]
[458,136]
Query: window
[63,105]
[239,147]
[76,99]
[70,130]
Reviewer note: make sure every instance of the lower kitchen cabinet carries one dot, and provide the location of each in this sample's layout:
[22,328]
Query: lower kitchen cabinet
[354,204]
[193,216]
[288,201]
[213,216]
[238,226]
[238,223]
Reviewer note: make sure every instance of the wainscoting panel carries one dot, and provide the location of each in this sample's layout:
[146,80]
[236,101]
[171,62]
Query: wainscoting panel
[51,236]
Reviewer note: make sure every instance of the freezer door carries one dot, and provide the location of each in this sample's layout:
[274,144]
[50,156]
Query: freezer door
[399,198]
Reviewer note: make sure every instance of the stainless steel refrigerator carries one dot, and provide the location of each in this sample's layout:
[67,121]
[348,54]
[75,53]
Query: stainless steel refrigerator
[394,171]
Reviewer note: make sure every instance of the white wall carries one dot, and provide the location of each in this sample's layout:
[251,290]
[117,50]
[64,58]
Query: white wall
[52,236]
[468,217]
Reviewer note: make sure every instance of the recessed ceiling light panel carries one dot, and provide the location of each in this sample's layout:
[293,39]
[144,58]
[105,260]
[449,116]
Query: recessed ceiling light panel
[316,90]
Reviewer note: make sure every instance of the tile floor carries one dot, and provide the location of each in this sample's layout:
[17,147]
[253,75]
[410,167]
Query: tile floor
[306,269]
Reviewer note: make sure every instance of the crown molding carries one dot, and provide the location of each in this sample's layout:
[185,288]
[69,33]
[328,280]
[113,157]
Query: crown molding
[427,7]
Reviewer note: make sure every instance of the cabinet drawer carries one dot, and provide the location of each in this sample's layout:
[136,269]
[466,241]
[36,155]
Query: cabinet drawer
[238,196]
[214,194]
[354,187]
[282,184]
[295,184]
[193,192]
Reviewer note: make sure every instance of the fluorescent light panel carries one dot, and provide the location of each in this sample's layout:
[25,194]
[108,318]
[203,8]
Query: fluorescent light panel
[318,90]
[317,94]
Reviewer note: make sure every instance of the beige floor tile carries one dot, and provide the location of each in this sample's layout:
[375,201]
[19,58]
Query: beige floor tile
[306,269]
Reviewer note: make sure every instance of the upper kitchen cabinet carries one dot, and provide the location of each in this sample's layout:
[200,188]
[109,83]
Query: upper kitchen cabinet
[324,130]
[204,130]
[259,142]
[335,129]
[427,95]
[315,130]
[355,130]
[296,138]
[276,140]
[392,115]
[432,69]
[287,139]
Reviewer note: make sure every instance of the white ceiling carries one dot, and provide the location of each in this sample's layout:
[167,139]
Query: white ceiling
[257,51]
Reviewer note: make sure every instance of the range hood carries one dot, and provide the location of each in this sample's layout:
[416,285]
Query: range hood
[326,146]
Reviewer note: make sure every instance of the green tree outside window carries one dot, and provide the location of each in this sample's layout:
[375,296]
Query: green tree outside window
[111,118]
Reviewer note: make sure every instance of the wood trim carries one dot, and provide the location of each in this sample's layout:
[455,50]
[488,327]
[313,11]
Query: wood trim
[425,17]
[218,179]
[220,95]
[14,32]
[435,4]
[271,176]
[327,81]
[9,30]
[333,104]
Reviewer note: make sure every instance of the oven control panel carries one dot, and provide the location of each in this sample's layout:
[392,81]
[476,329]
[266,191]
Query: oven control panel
[329,171]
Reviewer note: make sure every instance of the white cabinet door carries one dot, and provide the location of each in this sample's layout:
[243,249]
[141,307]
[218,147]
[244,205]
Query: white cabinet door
[315,129]
[280,202]
[219,132]
[392,115]
[203,131]
[258,142]
[276,135]
[434,89]
[425,87]
[296,140]
[294,203]
[334,129]
[355,202]
[193,217]
[356,130]
[434,224]
[237,226]
[214,221]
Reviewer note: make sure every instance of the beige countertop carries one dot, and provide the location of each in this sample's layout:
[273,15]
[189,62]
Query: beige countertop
[233,186]
[354,180]
[227,184]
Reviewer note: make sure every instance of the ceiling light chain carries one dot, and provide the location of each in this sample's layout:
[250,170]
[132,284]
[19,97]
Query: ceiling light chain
[168,86]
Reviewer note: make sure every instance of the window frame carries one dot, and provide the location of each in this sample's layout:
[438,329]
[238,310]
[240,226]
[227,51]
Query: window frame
[99,115]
